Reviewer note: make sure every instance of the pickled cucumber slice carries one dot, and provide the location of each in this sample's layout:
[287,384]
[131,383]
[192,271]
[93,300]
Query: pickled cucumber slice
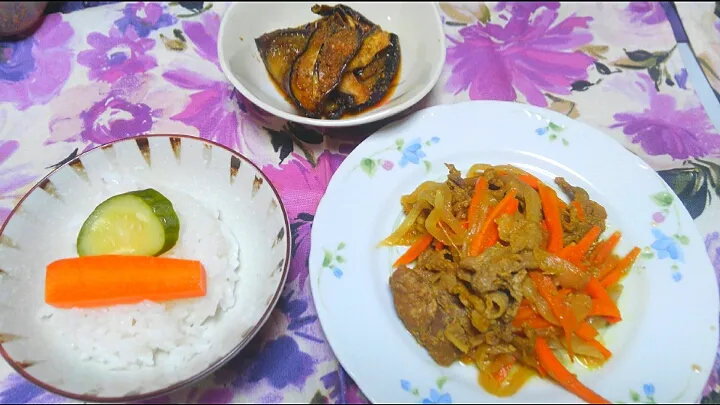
[138,223]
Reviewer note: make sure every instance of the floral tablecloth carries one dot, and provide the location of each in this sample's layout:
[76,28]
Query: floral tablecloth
[119,70]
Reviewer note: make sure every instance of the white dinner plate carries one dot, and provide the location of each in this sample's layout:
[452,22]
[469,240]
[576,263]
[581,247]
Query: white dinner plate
[664,348]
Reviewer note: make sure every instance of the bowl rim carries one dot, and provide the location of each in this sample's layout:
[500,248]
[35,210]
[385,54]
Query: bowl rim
[217,363]
[362,118]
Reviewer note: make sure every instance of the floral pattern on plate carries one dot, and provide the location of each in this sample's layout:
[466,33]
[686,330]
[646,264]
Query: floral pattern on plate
[333,260]
[435,396]
[552,130]
[411,153]
[667,246]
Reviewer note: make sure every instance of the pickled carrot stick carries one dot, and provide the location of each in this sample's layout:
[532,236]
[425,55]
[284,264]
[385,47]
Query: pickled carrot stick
[95,281]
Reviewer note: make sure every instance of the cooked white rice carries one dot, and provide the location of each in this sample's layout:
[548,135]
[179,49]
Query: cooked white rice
[129,337]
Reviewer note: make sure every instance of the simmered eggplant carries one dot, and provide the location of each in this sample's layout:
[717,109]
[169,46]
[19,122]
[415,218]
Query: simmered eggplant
[342,62]
[326,11]
[374,42]
[352,95]
[368,85]
[318,70]
[280,48]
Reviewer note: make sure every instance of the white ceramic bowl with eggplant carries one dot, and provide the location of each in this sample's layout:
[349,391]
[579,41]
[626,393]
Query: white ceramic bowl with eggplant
[140,267]
[333,64]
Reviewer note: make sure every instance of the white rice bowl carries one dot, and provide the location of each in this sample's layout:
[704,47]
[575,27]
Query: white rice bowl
[237,229]
[131,337]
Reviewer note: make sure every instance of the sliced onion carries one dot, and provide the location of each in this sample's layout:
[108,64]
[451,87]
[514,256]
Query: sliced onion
[580,304]
[566,273]
[477,169]
[413,197]
[582,348]
[537,301]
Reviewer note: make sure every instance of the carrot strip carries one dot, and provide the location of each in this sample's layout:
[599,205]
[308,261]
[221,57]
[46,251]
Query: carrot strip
[567,250]
[559,308]
[551,210]
[415,249]
[542,371]
[534,321]
[512,207]
[439,245]
[530,180]
[493,236]
[526,178]
[537,322]
[524,313]
[586,332]
[602,349]
[481,239]
[621,268]
[547,232]
[555,369]
[576,253]
[94,281]
[481,189]
[586,242]
[603,250]
[602,304]
[607,267]
[503,364]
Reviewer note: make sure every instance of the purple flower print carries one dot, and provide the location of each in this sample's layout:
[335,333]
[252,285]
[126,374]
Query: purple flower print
[333,382]
[211,110]
[17,390]
[658,217]
[145,18]
[341,388]
[18,60]
[647,12]
[33,70]
[114,118]
[525,8]
[301,186]
[216,109]
[282,363]
[12,178]
[204,36]
[117,55]
[663,128]
[131,106]
[681,78]
[299,315]
[531,53]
